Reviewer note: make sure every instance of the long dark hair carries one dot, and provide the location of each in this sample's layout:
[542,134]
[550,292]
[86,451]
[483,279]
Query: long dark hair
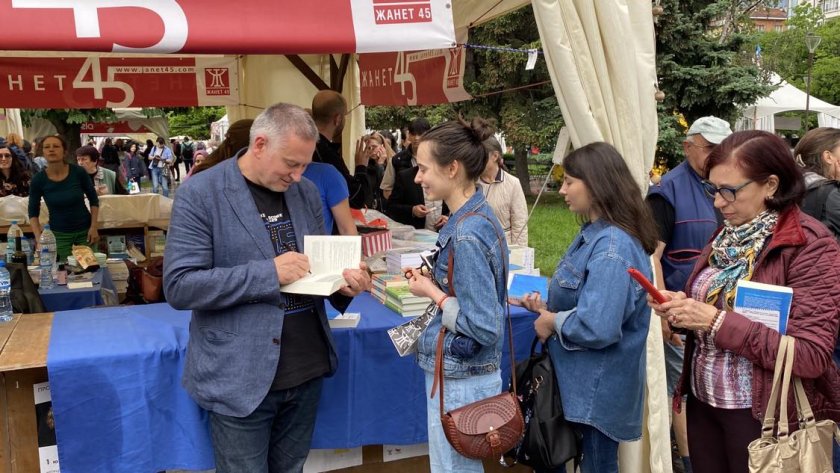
[17,173]
[615,196]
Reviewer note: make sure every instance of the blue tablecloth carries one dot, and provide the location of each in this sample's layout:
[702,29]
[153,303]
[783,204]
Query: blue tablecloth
[119,406]
[60,298]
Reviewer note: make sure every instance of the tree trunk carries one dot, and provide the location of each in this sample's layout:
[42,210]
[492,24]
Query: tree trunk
[72,133]
[520,153]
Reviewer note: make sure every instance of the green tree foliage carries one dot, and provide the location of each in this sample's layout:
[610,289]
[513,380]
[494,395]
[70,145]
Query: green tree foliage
[193,121]
[67,121]
[529,116]
[785,52]
[701,69]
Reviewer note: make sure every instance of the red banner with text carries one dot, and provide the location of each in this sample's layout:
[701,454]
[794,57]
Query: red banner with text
[413,77]
[228,27]
[116,82]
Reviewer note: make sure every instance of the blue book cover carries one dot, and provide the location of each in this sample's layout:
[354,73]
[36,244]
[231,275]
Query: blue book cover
[767,304]
[523,284]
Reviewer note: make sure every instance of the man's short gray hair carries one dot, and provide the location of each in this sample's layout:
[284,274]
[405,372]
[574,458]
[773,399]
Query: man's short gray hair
[282,120]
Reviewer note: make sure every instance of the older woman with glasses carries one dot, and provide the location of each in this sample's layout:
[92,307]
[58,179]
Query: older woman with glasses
[14,180]
[729,359]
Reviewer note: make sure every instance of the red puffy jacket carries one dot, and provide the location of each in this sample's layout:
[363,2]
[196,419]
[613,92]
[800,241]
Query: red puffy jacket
[802,254]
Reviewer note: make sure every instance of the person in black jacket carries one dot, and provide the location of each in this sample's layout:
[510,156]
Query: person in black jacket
[408,205]
[110,156]
[818,152]
[328,111]
[405,158]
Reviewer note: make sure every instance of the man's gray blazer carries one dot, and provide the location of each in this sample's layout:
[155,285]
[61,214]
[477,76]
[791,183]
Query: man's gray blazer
[219,263]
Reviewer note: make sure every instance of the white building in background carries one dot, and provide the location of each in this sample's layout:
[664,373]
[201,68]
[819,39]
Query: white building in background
[830,8]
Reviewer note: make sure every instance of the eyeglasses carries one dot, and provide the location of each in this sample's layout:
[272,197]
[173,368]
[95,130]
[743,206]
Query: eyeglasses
[5,156]
[727,193]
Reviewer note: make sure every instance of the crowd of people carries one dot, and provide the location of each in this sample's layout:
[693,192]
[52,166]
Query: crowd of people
[730,212]
[742,206]
[69,186]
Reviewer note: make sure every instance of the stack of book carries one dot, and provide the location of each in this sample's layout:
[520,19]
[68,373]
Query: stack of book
[401,300]
[119,274]
[398,258]
[157,242]
[381,282]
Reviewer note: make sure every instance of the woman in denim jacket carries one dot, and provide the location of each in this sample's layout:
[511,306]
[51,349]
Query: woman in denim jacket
[596,318]
[451,157]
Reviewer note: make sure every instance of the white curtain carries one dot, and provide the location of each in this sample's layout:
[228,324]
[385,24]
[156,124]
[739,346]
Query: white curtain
[601,56]
[10,122]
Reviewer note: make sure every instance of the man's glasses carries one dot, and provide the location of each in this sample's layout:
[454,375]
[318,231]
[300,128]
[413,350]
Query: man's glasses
[5,156]
[727,193]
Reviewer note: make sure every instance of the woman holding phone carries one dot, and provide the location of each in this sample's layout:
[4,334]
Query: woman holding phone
[595,320]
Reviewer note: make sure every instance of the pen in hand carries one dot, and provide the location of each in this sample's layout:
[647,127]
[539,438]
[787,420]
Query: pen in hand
[289,248]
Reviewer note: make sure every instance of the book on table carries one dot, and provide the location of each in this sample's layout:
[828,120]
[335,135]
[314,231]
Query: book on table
[339,320]
[329,256]
[767,304]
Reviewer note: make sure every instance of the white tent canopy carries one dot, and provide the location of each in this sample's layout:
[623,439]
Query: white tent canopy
[786,98]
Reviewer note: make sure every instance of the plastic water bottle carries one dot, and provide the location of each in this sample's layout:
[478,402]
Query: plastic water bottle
[48,256]
[5,291]
[10,240]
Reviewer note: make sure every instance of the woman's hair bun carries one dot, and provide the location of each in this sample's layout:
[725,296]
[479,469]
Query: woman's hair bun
[479,128]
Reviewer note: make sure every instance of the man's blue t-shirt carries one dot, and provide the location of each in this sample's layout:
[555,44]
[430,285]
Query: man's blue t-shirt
[332,186]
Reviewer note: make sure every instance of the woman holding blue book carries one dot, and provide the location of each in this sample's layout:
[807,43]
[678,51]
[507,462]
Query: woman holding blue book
[595,319]
[729,358]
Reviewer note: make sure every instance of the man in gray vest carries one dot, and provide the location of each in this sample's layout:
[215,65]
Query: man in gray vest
[687,218]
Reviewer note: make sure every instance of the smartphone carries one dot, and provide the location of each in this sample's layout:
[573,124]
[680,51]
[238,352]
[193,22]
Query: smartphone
[647,285]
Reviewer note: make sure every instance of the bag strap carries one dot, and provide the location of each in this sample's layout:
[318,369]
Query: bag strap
[769,414]
[438,376]
[783,408]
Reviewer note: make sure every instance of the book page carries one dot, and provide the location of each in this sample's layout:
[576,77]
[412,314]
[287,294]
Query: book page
[331,253]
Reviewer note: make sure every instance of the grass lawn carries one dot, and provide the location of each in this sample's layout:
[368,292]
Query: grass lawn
[550,231]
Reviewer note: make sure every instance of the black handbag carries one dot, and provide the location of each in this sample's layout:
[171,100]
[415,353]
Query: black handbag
[549,441]
[24,294]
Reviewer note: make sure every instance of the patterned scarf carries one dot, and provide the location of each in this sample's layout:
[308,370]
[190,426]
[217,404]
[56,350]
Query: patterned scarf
[734,252]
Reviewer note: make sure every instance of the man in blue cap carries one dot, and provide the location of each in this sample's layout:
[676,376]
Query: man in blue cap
[686,218]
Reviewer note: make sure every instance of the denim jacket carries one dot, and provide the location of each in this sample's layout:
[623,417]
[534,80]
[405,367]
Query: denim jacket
[478,310]
[602,323]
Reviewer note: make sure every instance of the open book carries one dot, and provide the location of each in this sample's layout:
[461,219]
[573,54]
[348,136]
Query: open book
[328,256]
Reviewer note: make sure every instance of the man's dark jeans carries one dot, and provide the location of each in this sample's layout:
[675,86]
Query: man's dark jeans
[275,438]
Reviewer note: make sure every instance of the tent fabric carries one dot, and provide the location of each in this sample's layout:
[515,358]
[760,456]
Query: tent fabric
[601,58]
[10,122]
[786,98]
[157,125]
[260,74]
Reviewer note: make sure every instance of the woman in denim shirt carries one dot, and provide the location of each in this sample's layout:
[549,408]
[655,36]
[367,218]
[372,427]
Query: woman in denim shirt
[450,158]
[596,318]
